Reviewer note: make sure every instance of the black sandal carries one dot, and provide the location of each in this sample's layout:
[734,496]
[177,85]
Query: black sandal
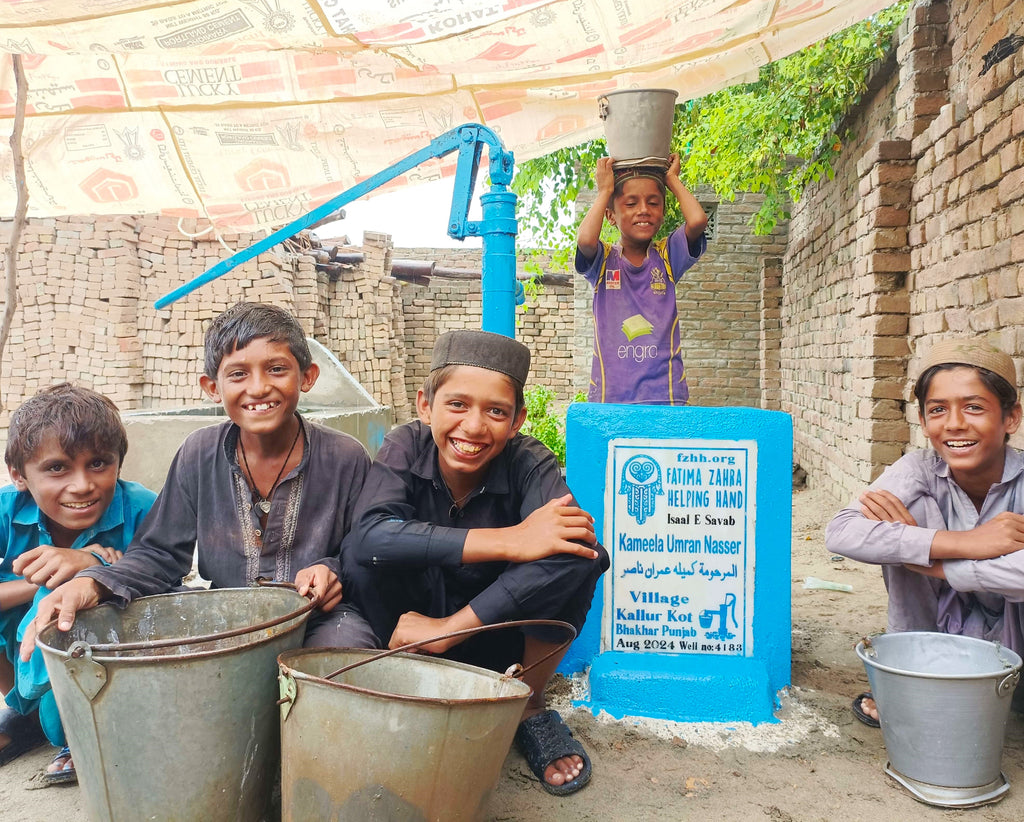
[24,732]
[545,738]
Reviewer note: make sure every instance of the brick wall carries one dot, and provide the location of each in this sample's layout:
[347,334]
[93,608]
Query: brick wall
[546,327]
[720,308]
[86,291]
[967,210]
[919,236]
[840,375]
[719,303]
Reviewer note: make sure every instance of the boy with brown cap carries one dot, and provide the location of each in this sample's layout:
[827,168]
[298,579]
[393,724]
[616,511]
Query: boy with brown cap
[464,522]
[947,524]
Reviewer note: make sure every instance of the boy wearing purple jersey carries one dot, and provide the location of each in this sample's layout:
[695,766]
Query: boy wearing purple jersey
[637,346]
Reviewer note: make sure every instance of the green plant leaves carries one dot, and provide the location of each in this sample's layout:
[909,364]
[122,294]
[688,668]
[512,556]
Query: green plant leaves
[774,136]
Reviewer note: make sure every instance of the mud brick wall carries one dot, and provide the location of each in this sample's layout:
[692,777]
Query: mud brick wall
[844,302]
[720,307]
[86,289]
[920,236]
[967,209]
[546,326]
[719,303]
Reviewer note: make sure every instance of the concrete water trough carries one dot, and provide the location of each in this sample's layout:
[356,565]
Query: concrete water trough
[337,401]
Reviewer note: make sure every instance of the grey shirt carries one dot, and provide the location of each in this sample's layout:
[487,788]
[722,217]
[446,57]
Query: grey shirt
[206,506]
[979,598]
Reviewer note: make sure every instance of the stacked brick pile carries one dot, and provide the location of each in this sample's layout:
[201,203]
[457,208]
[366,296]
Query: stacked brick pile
[366,328]
[86,291]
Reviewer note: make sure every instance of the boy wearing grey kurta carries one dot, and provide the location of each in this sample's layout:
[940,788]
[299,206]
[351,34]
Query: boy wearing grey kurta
[268,494]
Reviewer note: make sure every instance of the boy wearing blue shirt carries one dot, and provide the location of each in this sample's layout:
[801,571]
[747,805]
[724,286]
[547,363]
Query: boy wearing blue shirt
[66,510]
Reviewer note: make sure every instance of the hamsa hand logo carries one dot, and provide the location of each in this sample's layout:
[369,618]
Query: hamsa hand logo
[641,485]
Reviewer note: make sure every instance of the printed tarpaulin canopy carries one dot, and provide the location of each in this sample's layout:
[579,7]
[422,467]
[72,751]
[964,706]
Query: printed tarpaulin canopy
[250,113]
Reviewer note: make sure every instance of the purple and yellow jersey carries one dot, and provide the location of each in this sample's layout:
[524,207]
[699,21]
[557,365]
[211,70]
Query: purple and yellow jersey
[637,346]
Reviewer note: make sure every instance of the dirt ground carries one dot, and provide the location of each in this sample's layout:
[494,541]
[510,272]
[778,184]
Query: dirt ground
[817,763]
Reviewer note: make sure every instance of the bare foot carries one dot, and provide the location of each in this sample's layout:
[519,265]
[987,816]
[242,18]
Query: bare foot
[563,770]
[869,707]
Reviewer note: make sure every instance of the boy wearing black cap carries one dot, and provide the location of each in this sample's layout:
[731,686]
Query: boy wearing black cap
[463,522]
[637,339]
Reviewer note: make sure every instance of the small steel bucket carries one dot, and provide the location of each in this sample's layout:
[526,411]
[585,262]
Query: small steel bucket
[392,737]
[638,125]
[943,701]
[169,704]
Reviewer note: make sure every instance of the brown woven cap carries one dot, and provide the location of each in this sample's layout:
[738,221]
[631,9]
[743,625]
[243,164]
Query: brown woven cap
[972,352]
[482,349]
[652,172]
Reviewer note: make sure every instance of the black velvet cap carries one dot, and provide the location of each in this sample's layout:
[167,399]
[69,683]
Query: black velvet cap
[484,349]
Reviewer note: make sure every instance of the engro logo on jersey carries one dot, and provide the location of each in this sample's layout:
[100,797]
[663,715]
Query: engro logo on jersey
[633,327]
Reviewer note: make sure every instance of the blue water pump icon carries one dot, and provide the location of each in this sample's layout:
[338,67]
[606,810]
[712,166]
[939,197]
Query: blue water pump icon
[723,612]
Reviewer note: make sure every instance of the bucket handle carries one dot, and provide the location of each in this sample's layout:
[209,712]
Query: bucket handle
[868,648]
[516,671]
[602,107]
[1008,683]
[261,582]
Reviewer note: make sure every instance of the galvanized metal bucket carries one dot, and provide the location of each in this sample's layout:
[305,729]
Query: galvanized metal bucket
[943,701]
[169,704]
[394,737]
[638,125]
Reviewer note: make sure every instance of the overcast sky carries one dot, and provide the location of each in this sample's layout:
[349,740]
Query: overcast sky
[417,216]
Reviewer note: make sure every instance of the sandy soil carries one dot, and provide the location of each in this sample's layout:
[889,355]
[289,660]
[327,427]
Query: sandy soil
[817,763]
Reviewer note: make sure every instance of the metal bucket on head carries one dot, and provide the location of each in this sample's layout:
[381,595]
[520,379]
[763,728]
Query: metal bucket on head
[169,704]
[943,701]
[393,737]
[638,125]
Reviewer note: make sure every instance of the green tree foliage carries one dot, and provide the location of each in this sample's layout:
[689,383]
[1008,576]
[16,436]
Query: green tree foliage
[773,136]
[544,422]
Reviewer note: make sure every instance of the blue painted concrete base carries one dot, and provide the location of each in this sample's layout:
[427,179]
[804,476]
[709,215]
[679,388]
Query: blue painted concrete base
[682,688]
[691,687]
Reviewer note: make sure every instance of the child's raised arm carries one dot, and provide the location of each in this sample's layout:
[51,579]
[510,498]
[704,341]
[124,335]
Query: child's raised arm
[588,238]
[693,213]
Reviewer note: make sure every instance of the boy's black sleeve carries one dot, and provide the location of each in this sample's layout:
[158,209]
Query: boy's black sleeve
[537,589]
[396,513]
